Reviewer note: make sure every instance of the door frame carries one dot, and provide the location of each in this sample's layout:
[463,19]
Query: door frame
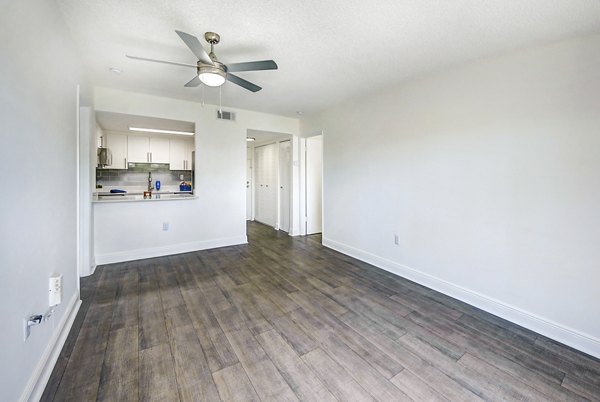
[289,184]
[302,189]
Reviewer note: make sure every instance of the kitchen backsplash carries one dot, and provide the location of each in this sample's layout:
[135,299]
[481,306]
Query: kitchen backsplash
[137,175]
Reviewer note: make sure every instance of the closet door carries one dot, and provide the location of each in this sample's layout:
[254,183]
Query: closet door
[258,205]
[266,184]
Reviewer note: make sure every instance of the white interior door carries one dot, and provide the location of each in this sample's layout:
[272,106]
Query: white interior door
[285,182]
[266,184]
[314,184]
[249,184]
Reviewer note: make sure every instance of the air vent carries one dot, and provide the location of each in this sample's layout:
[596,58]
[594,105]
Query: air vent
[224,115]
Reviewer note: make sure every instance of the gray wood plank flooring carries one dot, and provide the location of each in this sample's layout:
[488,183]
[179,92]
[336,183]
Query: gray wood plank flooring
[284,318]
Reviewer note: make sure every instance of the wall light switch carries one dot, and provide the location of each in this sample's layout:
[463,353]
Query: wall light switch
[55,290]
[165,226]
[396,240]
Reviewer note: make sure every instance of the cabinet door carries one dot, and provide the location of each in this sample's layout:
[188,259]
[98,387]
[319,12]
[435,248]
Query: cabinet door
[177,154]
[117,144]
[159,150]
[189,148]
[138,148]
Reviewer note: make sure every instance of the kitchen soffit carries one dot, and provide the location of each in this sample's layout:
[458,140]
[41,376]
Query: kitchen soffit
[121,122]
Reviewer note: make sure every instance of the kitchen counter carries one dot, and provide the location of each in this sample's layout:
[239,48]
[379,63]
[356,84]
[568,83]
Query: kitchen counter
[102,197]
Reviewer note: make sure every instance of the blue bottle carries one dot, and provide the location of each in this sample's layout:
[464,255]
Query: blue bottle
[157,184]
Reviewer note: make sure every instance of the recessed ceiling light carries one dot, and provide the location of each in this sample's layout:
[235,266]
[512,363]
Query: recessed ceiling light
[155,130]
[250,139]
[299,113]
[115,70]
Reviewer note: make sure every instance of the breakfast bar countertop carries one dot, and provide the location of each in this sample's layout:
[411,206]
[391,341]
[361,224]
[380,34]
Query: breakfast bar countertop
[138,195]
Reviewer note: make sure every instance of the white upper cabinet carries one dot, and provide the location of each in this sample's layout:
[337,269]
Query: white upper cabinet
[117,144]
[138,149]
[143,149]
[181,153]
[159,150]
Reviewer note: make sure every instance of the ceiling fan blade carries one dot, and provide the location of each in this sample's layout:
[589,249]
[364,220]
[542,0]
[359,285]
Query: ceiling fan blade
[194,44]
[161,61]
[252,66]
[243,83]
[194,82]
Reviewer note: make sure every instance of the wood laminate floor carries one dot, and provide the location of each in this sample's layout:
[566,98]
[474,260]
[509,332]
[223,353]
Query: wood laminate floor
[286,319]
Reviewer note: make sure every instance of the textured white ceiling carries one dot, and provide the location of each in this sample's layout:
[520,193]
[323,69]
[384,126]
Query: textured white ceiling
[327,50]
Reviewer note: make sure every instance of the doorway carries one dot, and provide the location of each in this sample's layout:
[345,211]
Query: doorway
[314,184]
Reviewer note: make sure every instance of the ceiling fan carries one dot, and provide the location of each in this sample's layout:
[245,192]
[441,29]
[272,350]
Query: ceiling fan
[210,71]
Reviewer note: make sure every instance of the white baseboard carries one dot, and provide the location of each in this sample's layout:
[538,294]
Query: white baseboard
[561,333]
[37,382]
[139,254]
[90,272]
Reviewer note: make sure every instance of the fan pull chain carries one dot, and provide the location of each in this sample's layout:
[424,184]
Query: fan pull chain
[220,105]
[202,94]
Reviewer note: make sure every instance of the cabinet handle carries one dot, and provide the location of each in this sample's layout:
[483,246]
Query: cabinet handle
[150,157]
[147,156]
[125,163]
[184,164]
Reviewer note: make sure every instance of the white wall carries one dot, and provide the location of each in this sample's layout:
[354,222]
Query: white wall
[87,181]
[125,231]
[490,176]
[39,72]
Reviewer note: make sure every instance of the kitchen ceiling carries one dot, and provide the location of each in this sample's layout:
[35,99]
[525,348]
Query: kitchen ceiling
[327,51]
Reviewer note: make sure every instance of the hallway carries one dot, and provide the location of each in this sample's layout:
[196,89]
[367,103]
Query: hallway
[284,318]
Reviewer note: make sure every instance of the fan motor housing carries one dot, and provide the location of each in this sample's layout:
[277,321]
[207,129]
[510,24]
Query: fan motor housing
[218,68]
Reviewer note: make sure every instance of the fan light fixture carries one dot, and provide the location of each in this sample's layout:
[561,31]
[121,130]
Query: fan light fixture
[156,130]
[211,75]
[250,139]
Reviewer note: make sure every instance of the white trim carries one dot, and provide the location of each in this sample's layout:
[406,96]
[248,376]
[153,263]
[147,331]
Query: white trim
[77,184]
[140,254]
[38,380]
[561,333]
[91,271]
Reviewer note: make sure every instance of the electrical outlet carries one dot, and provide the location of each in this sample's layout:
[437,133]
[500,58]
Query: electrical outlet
[180,177]
[396,240]
[55,290]
[165,226]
